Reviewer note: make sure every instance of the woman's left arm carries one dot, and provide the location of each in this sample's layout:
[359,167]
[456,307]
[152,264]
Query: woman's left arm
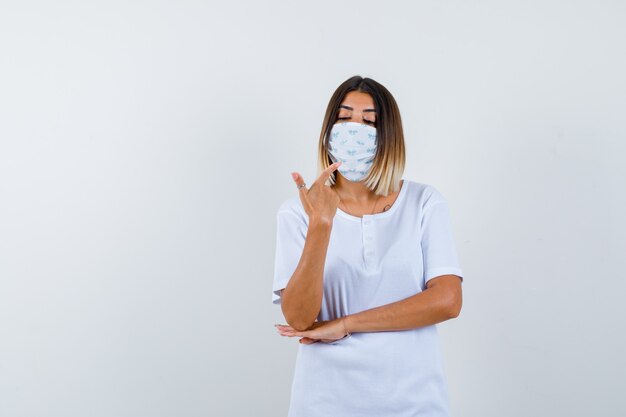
[441,301]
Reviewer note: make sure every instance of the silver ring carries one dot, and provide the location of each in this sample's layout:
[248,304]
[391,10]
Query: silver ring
[302,185]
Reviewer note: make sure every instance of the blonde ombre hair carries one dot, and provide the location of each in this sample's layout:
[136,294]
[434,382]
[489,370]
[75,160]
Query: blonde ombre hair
[388,166]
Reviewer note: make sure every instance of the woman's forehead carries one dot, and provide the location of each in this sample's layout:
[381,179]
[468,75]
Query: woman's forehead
[357,100]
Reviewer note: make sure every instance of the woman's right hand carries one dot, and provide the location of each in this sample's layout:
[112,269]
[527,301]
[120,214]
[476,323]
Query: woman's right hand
[320,201]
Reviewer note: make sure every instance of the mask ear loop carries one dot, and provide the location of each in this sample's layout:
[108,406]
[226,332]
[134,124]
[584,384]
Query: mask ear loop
[332,180]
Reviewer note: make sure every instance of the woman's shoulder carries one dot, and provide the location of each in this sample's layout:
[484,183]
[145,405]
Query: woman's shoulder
[292,205]
[423,195]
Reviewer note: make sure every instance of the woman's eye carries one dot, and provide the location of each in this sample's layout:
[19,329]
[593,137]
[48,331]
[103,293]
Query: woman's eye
[366,121]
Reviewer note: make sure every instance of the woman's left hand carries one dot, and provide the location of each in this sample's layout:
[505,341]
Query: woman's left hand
[324,331]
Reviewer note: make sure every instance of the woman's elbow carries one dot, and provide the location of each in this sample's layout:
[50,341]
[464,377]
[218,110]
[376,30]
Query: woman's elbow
[295,318]
[296,321]
[454,307]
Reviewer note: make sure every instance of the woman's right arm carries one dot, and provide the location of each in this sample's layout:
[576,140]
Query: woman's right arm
[302,296]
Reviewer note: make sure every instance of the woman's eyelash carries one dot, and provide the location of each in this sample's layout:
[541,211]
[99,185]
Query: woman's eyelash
[343,118]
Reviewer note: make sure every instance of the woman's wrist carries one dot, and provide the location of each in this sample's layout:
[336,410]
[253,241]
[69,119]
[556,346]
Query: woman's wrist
[346,327]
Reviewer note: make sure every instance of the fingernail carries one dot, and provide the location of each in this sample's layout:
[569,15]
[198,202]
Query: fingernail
[293,175]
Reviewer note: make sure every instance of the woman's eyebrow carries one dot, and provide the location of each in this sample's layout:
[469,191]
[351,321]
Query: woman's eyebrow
[350,108]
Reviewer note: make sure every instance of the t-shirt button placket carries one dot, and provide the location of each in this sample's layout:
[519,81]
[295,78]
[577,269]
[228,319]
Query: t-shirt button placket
[367,242]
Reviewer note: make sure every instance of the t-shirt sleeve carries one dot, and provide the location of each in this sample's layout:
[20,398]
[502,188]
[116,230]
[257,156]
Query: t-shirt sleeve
[438,247]
[290,237]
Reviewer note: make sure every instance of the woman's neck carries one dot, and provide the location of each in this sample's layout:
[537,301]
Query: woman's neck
[353,191]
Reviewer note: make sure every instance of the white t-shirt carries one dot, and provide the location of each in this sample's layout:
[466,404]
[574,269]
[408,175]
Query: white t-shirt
[371,261]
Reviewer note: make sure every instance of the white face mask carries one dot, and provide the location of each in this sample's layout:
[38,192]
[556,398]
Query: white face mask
[354,144]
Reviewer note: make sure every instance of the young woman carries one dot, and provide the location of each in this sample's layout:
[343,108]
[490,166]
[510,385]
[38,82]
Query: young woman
[365,266]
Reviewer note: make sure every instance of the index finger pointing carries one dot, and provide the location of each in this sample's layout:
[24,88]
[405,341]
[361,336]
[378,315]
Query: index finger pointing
[326,173]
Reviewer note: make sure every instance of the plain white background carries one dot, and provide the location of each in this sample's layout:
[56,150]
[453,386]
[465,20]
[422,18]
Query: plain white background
[146,146]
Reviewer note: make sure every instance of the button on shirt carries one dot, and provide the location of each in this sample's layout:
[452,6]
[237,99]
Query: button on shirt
[371,261]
